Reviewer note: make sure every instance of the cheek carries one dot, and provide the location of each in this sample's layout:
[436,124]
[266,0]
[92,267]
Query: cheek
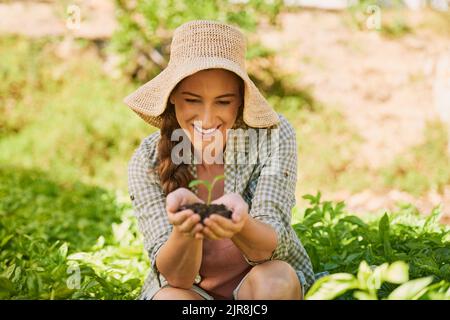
[231,116]
[183,114]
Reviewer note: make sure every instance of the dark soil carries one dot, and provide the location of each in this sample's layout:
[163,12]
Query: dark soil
[205,210]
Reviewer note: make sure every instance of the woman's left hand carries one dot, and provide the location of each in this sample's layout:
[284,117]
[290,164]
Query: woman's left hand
[218,227]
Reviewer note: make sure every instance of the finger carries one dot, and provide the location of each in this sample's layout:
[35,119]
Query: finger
[207,232]
[225,223]
[173,200]
[197,230]
[188,197]
[189,223]
[236,217]
[217,229]
[178,218]
[199,235]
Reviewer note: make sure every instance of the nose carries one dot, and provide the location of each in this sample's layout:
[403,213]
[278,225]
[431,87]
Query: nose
[207,118]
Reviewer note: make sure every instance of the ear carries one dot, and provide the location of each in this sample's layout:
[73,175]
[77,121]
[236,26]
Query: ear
[172,99]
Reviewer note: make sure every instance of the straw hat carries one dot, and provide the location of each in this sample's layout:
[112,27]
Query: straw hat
[198,45]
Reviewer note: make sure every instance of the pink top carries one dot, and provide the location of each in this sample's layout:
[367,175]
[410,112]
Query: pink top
[223,267]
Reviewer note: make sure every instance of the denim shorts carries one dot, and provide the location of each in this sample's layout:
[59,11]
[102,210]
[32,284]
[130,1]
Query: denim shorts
[205,295]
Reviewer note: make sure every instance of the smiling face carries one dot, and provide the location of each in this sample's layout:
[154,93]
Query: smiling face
[206,104]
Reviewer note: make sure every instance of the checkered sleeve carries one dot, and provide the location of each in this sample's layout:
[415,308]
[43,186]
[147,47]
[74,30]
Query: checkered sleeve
[148,200]
[274,195]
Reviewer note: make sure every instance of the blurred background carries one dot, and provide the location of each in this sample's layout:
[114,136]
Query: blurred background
[366,84]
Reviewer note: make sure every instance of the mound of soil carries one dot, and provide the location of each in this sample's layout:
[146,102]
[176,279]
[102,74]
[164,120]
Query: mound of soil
[205,210]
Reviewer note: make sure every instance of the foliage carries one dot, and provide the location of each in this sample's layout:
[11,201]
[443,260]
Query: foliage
[73,241]
[145,30]
[65,116]
[338,242]
[368,284]
[61,238]
[145,27]
[65,241]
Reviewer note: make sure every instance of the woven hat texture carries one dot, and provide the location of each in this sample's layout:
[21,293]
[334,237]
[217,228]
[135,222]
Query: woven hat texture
[198,45]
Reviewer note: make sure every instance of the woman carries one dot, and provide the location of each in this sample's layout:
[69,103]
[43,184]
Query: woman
[206,94]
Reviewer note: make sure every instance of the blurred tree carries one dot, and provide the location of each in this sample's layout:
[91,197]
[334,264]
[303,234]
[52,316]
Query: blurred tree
[145,30]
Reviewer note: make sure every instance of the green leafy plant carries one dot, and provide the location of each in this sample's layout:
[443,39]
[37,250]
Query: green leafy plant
[52,233]
[338,242]
[368,283]
[209,185]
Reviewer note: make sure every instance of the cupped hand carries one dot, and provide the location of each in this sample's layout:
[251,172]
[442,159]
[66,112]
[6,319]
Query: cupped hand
[218,227]
[185,222]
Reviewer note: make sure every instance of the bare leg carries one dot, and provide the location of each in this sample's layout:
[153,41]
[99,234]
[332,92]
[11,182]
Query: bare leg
[171,293]
[271,280]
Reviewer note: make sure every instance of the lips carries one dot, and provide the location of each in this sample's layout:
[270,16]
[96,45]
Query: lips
[205,132]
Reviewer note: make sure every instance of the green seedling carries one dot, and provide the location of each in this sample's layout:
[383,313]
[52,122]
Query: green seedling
[209,185]
[206,209]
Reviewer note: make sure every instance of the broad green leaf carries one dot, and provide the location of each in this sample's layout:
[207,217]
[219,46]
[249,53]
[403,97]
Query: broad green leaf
[362,295]
[364,273]
[9,271]
[397,272]
[332,286]
[377,277]
[411,289]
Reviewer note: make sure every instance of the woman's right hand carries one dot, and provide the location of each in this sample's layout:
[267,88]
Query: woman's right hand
[185,222]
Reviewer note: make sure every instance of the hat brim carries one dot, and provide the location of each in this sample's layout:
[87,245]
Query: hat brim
[150,100]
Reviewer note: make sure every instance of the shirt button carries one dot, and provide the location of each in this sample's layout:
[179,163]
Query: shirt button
[198,278]
[132,197]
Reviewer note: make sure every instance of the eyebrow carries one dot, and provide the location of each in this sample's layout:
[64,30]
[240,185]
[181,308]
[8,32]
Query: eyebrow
[221,96]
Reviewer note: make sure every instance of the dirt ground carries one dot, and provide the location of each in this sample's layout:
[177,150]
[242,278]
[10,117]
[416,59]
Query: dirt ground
[386,88]
[389,109]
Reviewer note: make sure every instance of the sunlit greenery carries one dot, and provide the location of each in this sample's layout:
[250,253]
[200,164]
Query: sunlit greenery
[67,229]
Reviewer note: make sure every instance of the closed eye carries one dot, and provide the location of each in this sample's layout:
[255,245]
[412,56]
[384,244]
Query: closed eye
[224,102]
[191,100]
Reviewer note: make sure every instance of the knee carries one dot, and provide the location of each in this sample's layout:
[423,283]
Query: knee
[274,288]
[279,284]
[171,293]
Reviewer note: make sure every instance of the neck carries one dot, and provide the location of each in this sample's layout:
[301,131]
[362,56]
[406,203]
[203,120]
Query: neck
[210,168]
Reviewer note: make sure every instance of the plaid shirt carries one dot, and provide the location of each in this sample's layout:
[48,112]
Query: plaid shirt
[270,195]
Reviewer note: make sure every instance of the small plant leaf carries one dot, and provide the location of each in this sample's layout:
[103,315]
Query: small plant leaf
[198,182]
[217,178]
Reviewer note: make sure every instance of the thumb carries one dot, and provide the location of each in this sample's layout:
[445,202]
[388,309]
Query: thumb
[172,201]
[236,217]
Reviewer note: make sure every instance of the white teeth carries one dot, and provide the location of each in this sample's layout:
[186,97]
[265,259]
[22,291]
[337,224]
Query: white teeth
[204,131]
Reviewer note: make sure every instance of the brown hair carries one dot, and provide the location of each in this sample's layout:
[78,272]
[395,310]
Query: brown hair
[174,176]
